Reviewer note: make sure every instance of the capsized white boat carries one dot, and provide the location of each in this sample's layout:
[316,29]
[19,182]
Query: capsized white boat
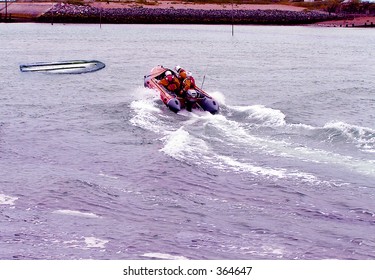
[64,67]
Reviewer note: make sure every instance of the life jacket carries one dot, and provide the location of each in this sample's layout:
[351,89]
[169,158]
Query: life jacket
[171,84]
[182,74]
[188,83]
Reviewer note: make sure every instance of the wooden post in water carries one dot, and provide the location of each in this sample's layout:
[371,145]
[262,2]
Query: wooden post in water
[232,20]
[100,18]
[6,10]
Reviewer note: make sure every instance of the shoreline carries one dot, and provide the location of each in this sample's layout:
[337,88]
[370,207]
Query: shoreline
[169,12]
[67,13]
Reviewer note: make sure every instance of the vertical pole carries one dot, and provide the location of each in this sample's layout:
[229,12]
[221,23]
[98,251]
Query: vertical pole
[100,18]
[6,10]
[232,20]
[53,12]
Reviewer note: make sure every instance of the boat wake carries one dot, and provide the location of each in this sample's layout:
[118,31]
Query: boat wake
[362,137]
[257,140]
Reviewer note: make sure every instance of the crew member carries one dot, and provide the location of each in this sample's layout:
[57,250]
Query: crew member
[188,83]
[185,78]
[170,82]
[182,74]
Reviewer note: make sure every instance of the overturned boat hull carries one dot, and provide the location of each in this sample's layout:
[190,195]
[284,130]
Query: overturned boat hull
[176,103]
[64,67]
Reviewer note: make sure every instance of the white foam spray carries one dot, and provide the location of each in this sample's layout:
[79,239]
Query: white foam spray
[76,213]
[7,200]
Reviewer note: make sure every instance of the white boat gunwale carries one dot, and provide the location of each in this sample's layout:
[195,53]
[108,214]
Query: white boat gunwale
[63,66]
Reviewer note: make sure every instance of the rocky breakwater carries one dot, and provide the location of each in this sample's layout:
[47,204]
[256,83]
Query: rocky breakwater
[67,13]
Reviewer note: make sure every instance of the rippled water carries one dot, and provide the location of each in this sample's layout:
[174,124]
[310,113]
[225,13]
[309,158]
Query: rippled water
[95,166]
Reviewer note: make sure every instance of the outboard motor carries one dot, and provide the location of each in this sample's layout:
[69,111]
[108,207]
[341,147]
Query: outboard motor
[192,95]
[191,99]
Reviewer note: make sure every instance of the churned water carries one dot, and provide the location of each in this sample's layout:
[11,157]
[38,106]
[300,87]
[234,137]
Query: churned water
[95,166]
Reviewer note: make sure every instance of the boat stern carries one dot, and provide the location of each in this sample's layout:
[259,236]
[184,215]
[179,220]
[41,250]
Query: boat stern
[174,105]
[210,105]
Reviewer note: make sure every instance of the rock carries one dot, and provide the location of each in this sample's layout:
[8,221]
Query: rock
[68,13]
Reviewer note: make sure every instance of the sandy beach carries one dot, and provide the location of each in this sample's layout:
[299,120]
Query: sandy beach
[25,10]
